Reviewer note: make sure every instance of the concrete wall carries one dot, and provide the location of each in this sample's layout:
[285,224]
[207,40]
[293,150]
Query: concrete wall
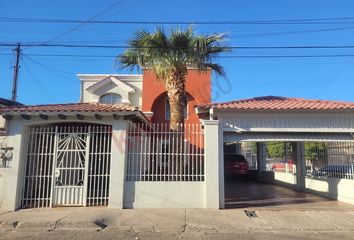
[164,194]
[339,189]
[279,178]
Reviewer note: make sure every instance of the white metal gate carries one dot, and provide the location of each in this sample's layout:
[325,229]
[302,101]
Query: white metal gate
[67,166]
[71,158]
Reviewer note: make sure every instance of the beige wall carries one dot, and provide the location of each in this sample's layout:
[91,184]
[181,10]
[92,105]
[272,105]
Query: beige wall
[2,125]
[133,80]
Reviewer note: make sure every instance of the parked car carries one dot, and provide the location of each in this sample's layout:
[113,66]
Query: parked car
[236,165]
[335,171]
[286,166]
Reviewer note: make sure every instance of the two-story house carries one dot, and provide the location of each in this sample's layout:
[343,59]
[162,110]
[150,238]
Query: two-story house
[145,92]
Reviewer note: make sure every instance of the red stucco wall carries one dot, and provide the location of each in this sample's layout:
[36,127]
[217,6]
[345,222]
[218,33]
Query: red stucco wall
[154,94]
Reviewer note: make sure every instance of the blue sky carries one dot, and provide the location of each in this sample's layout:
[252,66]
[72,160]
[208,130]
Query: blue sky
[48,79]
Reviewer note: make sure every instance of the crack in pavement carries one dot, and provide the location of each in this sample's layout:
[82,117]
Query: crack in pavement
[56,222]
[5,213]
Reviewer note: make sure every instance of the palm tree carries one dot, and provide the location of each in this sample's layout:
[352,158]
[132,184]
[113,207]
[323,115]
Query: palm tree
[169,57]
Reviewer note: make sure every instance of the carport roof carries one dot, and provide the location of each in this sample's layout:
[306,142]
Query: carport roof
[279,103]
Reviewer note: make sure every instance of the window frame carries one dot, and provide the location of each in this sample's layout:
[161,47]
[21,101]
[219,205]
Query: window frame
[119,98]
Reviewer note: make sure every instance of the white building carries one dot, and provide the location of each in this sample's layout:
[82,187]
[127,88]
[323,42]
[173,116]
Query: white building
[102,152]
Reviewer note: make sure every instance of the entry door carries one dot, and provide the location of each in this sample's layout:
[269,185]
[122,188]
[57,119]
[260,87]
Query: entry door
[69,172]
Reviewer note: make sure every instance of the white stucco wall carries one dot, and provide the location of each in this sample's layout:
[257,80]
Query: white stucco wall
[338,189]
[284,179]
[2,125]
[11,178]
[288,178]
[164,194]
[133,80]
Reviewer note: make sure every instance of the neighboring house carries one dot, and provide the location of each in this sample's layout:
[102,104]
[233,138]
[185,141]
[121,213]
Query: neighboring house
[3,127]
[114,147]
[4,102]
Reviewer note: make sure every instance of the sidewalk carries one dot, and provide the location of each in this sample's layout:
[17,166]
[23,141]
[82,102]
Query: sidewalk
[178,220]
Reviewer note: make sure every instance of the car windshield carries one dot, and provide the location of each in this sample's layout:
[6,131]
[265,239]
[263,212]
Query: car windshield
[235,158]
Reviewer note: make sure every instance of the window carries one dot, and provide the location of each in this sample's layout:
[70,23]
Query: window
[111,98]
[168,111]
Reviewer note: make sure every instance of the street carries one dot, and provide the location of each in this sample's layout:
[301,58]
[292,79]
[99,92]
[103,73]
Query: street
[105,223]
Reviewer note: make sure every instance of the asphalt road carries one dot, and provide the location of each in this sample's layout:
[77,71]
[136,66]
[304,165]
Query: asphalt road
[132,235]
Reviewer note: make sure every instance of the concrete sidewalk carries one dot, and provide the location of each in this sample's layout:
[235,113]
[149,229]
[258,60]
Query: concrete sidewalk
[177,220]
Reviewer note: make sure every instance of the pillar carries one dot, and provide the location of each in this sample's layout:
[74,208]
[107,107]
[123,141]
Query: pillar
[214,165]
[11,177]
[300,164]
[118,164]
[261,159]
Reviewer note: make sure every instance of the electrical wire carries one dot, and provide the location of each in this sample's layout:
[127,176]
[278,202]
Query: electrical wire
[340,20]
[51,70]
[37,82]
[227,57]
[88,21]
[231,47]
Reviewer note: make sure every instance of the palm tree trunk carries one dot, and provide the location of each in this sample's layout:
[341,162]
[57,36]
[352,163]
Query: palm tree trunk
[175,86]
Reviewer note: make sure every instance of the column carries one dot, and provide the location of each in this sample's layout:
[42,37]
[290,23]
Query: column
[261,160]
[11,177]
[300,164]
[118,163]
[214,165]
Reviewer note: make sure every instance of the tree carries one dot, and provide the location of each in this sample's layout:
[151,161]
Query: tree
[169,56]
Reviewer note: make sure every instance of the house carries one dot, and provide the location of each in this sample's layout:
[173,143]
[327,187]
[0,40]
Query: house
[145,92]
[114,147]
[3,149]
[4,102]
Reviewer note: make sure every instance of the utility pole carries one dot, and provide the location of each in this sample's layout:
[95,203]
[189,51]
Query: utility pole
[15,77]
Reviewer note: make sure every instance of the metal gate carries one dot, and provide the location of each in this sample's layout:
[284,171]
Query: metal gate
[67,166]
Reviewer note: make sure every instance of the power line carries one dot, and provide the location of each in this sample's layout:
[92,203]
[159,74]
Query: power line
[229,56]
[341,20]
[231,47]
[83,22]
[38,83]
[51,69]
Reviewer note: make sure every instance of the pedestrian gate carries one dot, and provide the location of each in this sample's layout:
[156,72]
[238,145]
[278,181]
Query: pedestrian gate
[67,166]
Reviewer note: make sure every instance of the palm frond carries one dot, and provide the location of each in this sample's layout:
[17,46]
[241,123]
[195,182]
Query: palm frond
[176,51]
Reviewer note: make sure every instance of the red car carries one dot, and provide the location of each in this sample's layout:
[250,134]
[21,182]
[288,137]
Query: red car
[236,165]
[287,166]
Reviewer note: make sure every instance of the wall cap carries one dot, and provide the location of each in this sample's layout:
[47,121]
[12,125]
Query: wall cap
[211,122]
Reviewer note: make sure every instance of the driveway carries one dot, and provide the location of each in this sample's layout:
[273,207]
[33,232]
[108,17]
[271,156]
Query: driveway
[250,194]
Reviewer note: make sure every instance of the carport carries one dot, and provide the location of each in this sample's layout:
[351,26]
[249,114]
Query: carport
[295,148]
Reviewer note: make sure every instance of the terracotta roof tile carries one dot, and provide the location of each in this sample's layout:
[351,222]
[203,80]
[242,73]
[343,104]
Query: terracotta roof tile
[279,103]
[70,107]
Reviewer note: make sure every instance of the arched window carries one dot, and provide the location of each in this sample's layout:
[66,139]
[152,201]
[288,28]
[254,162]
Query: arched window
[111,98]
